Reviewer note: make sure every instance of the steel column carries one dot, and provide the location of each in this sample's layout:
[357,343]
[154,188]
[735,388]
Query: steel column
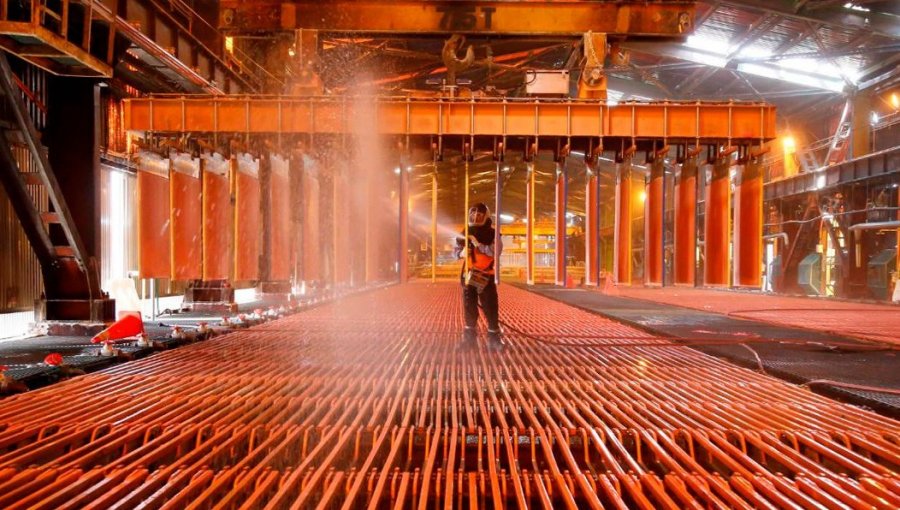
[465,251]
[342,226]
[312,249]
[403,197]
[297,216]
[560,258]
[686,223]
[264,260]
[748,226]
[591,227]
[371,187]
[622,238]
[654,208]
[529,218]
[718,224]
[498,204]
[434,204]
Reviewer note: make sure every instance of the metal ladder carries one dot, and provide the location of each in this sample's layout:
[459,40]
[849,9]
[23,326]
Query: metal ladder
[71,280]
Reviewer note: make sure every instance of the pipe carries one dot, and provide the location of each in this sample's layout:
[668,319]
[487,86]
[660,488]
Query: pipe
[782,235]
[875,225]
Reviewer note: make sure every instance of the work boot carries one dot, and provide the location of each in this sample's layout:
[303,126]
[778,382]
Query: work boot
[495,340]
[468,340]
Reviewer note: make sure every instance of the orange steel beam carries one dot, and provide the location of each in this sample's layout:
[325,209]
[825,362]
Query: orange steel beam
[750,122]
[718,224]
[532,18]
[622,256]
[686,223]
[529,227]
[653,220]
[403,237]
[748,226]
[561,189]
[592,232]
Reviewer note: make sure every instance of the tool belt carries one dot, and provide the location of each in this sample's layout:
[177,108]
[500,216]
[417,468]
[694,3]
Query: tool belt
[478,279]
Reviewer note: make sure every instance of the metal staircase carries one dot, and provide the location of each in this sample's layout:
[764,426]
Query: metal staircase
[837,151]
[71,279]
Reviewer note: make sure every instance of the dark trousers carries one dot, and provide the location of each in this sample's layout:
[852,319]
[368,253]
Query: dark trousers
[489,304]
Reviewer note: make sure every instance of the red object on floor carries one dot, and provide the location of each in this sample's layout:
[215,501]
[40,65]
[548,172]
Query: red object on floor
[128,326]
[54,359]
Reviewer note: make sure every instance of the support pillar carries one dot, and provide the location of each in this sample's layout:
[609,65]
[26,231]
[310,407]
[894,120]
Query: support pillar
[560,257]
[265,218]
[686,223]
[748,226]
[861,128]
[498,204]
[341,226]
[622,239]
[654,207]
[718,224]
[297,215]
[403,255]
[529,227]
[311,218]
[434,204]
[591,228]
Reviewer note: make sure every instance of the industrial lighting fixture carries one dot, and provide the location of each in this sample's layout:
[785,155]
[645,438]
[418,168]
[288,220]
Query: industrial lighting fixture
[875,118]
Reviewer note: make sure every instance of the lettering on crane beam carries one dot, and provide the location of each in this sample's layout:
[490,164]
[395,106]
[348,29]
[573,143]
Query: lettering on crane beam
[465,17]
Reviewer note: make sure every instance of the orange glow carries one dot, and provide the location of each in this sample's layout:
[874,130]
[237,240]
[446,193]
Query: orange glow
[790,145]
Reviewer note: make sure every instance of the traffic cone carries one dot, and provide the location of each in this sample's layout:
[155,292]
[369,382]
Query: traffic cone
[128,326]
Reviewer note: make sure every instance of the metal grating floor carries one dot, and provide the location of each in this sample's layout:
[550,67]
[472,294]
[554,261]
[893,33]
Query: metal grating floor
[367,403]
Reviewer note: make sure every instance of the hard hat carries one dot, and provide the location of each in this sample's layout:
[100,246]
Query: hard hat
[479,214]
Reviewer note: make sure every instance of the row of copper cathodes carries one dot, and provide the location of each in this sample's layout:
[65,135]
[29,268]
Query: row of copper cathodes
[368,403]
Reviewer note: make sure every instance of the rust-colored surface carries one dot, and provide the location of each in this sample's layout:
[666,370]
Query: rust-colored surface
[247,221]
[624,209]
[368,403]
[185,213]
[686,224]
[712,122]
[860,320]
[218,225]
[153,225]
[312,249]
[654,225]
[717,249]
[592,231]
[748,228]
[280,268]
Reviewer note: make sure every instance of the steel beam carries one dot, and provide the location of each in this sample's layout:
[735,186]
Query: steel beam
[592,228]
[654,206]
[748,226]
[561,188]
[536,18]
[498,207]
[529,219]
[622,266]
[403,215]
[749,122]
[686,223]
[716,266]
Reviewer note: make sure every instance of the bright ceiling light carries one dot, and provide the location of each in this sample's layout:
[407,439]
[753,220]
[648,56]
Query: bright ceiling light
[790,145]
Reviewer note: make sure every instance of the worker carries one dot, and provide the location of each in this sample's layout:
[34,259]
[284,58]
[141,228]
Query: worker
[477,276]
